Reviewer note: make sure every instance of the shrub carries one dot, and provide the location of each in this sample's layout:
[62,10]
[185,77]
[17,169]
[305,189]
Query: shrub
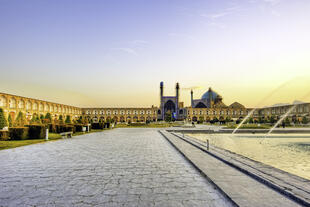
[251,121]
[59,128]
[36,131]
[60,119]
[18,133]
[20,120]
[48,117]
[305,120]
[10,121]
[52,128]
[69,128]
[35,119]
[168,117]
[78,127]
[4,135]
[287,121]
[80,120]
[68,119]
[66,128]
[3,121]
[97,125]
[228,119]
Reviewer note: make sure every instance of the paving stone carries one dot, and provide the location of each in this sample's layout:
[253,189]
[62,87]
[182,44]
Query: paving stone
[120,167]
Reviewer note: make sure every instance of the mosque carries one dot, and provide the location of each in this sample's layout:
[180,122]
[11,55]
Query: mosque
[209,107]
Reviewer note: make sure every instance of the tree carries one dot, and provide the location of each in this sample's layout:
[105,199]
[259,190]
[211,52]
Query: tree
[305,120]
[68,119]
[48,117]
[287,121]
[20,120]
[228,119]
[35,119]
[41,116]
[201,119]
[10,121]
[215,119]
[60,119]
[168,117]
[272,120]
[251,121]
[3,121]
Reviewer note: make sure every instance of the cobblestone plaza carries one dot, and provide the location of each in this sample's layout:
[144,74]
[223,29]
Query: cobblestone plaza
[121,167]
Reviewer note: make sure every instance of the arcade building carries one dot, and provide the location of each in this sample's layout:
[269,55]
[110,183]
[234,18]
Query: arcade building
[210,106]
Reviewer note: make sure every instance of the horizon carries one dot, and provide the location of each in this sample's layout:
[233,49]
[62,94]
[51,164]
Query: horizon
[115,53]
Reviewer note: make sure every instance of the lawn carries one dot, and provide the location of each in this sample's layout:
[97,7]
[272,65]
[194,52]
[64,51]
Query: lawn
[52,136]
[249,126]
[19,143]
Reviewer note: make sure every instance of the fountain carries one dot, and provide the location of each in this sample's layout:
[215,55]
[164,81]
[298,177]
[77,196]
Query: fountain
[248,116]
[280,120]
[263,100]
[285,115]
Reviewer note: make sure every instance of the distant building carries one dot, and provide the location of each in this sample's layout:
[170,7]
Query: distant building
[171,104]
[209,107]
[13,104]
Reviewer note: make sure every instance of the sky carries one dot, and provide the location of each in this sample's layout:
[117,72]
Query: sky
[114,53]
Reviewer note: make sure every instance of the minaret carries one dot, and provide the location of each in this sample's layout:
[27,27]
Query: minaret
[192,98]
[161,90]
[161,99]
[177,88]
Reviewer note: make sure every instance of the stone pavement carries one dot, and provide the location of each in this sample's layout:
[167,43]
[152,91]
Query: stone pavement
[293,186]
[242,189]
[120,167]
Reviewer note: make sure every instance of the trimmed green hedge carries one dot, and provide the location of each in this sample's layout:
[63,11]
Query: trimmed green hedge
[78,127]
[59,128]
[4,135]
[97,125]
[18,133]
[36,131]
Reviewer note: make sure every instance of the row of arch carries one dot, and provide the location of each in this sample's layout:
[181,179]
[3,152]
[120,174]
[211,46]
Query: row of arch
[121,118]
[209,118]
[11,102]
[218,112]
[120,112]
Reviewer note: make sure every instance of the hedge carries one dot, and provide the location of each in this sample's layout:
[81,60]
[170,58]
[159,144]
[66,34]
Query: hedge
[18,133]
[4,135]
[137,124]
[97,125]
[78,127]
[59,128]
[36,131]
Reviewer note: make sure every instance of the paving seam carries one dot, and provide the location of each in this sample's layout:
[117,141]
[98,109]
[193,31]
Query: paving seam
[200,171]
[252,175]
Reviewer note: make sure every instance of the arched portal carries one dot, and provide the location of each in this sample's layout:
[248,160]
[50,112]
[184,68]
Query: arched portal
[169,107]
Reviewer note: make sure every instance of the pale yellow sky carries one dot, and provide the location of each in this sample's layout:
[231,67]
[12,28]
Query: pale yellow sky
[242,49]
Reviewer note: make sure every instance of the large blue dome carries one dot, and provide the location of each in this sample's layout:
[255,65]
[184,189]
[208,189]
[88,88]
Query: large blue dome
[209,94]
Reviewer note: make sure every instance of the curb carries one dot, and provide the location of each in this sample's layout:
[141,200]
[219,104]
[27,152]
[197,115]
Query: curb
[200,171]
[259,179]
